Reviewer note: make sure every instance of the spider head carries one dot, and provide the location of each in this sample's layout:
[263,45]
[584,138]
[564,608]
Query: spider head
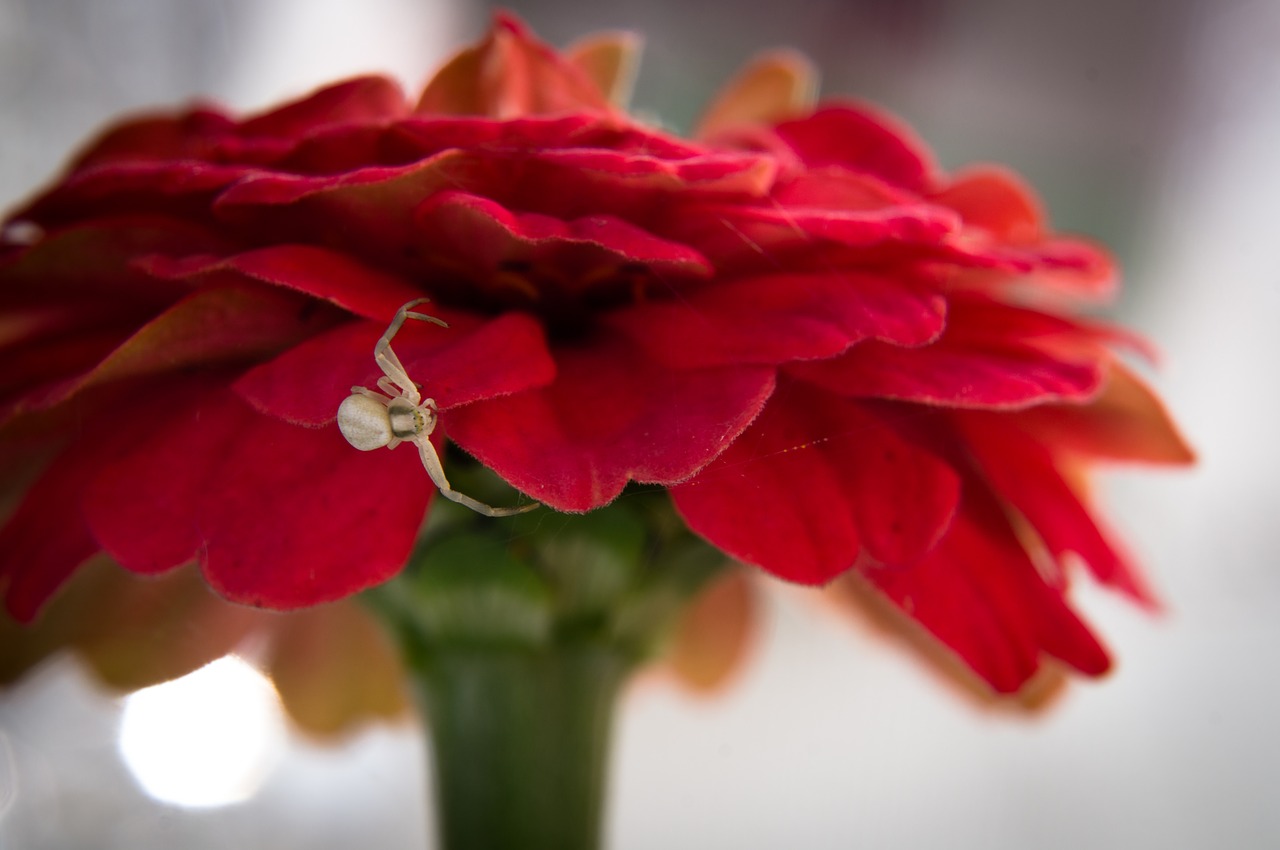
[408,420]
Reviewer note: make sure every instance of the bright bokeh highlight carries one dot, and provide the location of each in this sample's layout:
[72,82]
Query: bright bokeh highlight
[208,739]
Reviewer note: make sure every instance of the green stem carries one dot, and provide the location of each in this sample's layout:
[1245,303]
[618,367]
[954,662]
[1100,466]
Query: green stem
[520,743]
[518,638]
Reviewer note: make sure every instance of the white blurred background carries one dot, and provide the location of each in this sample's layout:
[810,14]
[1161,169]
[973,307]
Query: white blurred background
[1154,126]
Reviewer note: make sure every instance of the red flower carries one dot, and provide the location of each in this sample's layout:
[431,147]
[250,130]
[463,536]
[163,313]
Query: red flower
[797,323]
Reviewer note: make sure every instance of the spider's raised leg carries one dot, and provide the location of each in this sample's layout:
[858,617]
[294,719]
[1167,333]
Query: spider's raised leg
[431,461]
[386,358]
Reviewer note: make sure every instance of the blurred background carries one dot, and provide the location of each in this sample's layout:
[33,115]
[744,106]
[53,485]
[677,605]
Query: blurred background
[1153,126]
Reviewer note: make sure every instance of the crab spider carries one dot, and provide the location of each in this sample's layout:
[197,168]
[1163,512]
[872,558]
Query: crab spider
[371,420]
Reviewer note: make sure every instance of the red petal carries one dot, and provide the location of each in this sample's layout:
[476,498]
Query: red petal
[814,480]
[990,356]
[212,325]
[365,211]
[903,495]
[737,236]
[291,516]
[1006,231]
[295,516]
[335,277]
[469,361]
[182,188]
[980,594]
[418,137]
[279,516]
[360,100]
[47,538]
[612,415]
[34,370]
[155,137]
[143,504]
[97,260]
[1022,472]
[484,237]
[780,318]
[859,138]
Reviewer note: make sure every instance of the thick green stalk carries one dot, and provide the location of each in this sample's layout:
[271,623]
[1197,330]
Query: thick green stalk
[520,744]
[519,638]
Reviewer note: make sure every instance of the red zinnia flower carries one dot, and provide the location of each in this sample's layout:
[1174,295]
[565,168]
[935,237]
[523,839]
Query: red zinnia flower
[827,349]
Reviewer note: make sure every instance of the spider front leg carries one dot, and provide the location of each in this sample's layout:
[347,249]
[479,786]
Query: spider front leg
[431,461]
[397,376]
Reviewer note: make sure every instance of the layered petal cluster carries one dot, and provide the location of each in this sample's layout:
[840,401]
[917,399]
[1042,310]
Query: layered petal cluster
[836,357]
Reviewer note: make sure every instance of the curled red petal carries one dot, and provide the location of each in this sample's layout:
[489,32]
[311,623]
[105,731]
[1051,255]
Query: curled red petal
[981,596]
[781,318]
[483,237]
[991,356]
[611,415]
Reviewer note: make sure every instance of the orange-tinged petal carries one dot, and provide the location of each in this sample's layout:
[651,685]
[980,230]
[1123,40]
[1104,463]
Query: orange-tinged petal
[996,200]
[335,668]
[1127,421]
[145,631]
[779,85]
[610,60]
[25,645]
[507,75]
[714,633]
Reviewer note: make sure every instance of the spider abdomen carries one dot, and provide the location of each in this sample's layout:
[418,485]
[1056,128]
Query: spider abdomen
[364,422]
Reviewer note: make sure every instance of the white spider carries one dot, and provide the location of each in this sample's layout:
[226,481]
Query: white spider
[370,421]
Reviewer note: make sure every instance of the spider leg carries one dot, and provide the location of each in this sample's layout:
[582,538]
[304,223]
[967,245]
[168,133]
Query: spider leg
[390,387]
[386,358]
[431,461]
